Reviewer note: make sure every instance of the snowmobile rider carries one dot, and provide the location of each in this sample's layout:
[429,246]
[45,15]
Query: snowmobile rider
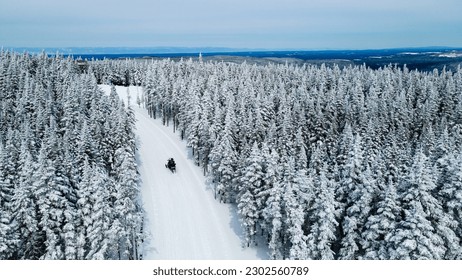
[171,163]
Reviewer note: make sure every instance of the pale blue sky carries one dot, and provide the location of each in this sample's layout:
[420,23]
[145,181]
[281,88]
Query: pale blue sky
[271,24]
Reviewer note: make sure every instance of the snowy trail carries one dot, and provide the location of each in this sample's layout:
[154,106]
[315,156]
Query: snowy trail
[183,219]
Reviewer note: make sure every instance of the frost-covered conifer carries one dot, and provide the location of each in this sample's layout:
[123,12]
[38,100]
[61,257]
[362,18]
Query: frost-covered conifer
[417,236]
[250,186]
[381,223]
[324,226]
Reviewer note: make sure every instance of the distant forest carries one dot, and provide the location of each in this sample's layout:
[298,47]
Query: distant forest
[323,162]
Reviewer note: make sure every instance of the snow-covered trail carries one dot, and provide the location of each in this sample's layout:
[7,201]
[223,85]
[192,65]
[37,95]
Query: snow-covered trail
[183,219]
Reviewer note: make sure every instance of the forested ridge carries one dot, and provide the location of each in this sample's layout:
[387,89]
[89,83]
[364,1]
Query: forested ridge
[68,177]
[323,162]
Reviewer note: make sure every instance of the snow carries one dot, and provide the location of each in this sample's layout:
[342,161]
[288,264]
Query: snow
[182,218]
[451,55]
[410,53]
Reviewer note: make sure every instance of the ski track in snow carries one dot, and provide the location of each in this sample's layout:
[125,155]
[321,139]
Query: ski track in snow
[182,218]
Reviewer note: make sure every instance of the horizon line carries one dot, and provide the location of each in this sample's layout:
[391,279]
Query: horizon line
[180,49]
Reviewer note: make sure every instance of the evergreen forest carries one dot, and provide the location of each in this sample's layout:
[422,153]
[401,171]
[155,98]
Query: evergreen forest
[68,175]
[324,163]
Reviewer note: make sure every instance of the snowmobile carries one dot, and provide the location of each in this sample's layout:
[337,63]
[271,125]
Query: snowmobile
[171,165]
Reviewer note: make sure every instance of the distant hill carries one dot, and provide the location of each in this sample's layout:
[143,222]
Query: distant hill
[424,59]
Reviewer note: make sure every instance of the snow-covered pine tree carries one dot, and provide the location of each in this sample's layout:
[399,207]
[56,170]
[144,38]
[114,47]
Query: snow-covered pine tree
[127,221]
[51,201]
[272,208]
[451,199]
[251,184]
[416,236]
[24,206]
[324,219]
[224,156]
[95,212]
[293,212]
[195,120]
[357,184]
[381,223]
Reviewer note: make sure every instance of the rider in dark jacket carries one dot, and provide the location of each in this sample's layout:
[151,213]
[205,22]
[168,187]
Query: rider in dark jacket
[171,163]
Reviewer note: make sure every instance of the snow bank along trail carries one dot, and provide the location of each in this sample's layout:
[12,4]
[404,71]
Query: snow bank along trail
[182,219]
